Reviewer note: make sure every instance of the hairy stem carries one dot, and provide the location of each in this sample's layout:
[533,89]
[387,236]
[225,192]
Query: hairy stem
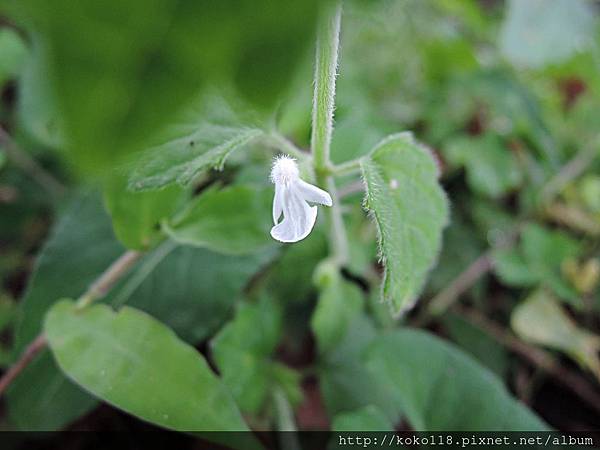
[328,41]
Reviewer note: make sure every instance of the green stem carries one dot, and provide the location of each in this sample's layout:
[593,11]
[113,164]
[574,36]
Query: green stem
[328,41]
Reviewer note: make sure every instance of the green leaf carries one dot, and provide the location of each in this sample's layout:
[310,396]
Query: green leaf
[369,418]
[344,368]
[477,343]
[438,387]
[42,398]
[538,259]
[38,112]
[540,32]
[242,352]
[136,64]
[81,246]
[135,363]
[136,216]
[201,289]
[234,220]
[339,303]
[193,150]
[410,210]
[541,320]
[13,51]
[492,169]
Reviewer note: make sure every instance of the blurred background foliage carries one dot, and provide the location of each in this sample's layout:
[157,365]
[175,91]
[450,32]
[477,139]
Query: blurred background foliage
[120,100]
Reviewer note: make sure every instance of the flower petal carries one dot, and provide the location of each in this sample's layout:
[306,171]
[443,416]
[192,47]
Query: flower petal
[313,194]
[277,203]
[298,217]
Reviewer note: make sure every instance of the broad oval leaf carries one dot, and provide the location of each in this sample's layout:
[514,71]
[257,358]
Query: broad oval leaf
[137,364]
[410,210]
[438,387]
[135,64]
[234,220]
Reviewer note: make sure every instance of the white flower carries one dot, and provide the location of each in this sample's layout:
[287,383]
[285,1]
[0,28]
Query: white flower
[291,197]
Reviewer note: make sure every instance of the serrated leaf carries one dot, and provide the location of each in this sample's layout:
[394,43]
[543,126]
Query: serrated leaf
[438,387]
[136,216]
[410,210]
[541,320]
[185,158]
[132,361]
[233,220]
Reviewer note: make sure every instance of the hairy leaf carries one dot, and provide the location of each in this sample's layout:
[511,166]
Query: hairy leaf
[410,210]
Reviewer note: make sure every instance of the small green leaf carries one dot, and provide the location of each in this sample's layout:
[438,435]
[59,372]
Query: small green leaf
[136,216]
[410,210]
[339,303]
[492,169]
[242,352]
[368,418]
[234,220]
[438,387]
[183,159]
[540,32]
[132,361]
[538,259]
[541,320]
